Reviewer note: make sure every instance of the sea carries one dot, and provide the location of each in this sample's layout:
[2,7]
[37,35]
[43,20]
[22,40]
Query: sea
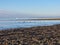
[6,23]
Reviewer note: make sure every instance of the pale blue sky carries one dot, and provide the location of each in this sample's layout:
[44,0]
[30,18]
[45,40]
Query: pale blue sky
[30,7]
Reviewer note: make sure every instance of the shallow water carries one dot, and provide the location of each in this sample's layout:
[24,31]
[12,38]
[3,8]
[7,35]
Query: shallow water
[12,23]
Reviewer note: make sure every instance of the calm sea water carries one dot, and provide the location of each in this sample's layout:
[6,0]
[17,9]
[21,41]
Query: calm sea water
[13,23]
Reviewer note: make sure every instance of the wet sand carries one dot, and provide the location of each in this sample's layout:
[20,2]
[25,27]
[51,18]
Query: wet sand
[40,35]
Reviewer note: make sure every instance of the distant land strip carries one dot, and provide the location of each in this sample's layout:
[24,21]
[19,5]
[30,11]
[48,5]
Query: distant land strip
[33,19]
[46,19]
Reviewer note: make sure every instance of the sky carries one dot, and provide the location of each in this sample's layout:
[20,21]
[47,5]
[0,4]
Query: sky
[29,8]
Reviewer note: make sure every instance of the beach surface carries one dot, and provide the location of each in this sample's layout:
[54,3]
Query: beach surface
[40,35]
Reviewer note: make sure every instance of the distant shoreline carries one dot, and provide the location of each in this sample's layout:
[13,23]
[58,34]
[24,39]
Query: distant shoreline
[32,19]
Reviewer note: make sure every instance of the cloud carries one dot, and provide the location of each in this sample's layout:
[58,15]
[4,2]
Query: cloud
[11,14]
